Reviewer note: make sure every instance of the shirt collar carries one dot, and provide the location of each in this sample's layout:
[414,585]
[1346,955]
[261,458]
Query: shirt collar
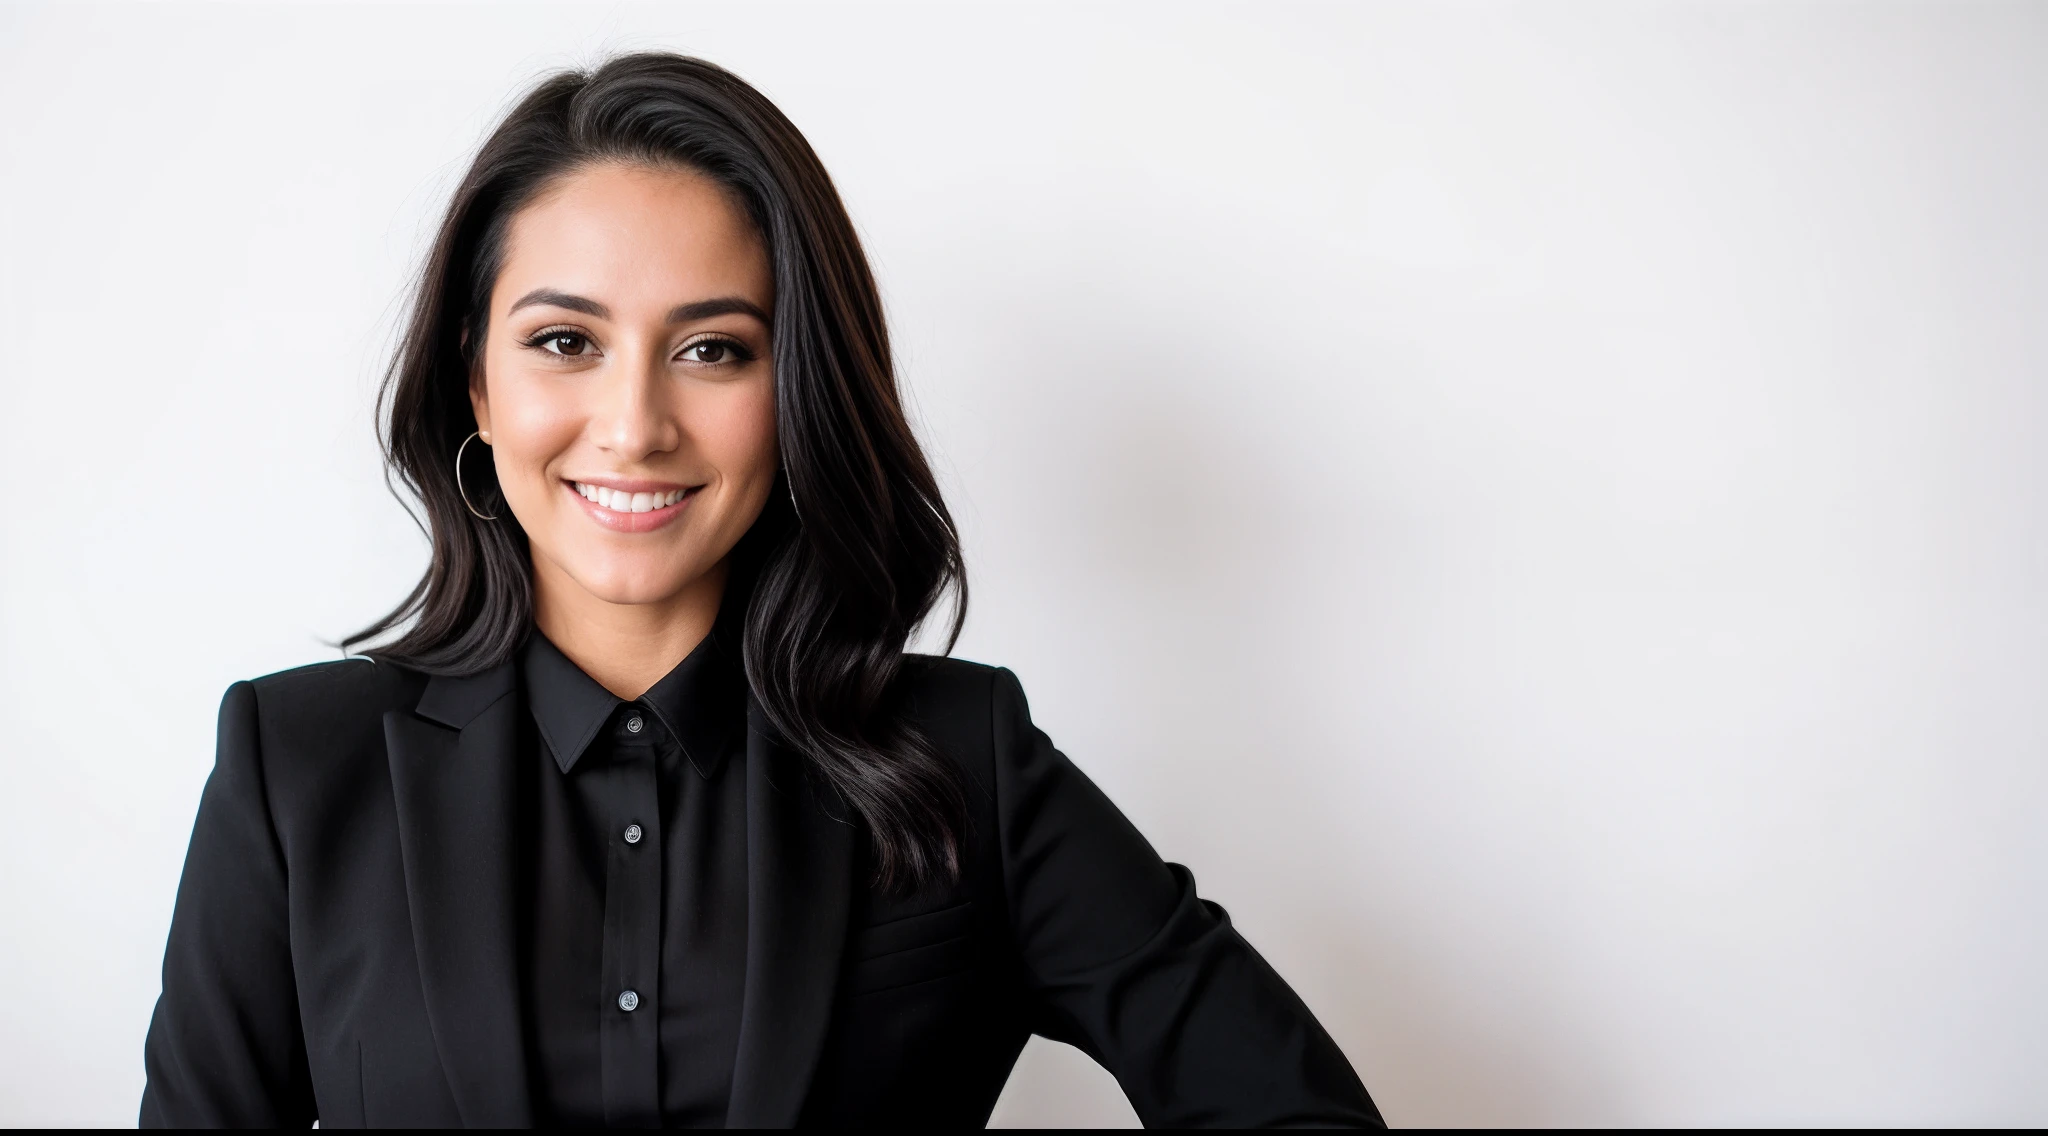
[701,703]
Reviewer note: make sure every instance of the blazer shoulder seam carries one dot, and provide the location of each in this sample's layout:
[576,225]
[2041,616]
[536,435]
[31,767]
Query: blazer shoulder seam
[995,790]
[260,769]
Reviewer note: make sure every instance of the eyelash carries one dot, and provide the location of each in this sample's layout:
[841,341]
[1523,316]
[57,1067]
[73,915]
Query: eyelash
[538,340]
[740,354]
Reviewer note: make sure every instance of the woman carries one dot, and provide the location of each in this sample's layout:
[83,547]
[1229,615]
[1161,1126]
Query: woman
[641,815]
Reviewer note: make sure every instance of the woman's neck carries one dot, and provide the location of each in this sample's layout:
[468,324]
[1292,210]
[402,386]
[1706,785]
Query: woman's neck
[625,647]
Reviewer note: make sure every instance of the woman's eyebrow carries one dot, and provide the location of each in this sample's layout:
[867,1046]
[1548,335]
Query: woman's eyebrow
[561,300]
[681,313]
[723,306]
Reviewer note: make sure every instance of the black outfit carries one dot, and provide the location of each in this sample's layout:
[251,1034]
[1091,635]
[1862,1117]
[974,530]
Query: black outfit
[634,941]
[412,901]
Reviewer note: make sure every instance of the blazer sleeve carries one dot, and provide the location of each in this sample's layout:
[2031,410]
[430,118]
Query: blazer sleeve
[225,1049]
[1129,965]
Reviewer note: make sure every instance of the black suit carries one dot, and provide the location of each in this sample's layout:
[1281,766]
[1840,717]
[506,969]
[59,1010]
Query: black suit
[344,940]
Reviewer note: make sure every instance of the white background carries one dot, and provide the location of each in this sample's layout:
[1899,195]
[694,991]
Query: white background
[1541,507]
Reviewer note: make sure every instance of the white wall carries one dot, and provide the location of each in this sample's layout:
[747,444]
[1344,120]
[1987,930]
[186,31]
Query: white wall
[1541,507]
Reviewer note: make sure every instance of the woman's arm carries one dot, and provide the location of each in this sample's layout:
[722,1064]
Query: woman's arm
[225,1048]
[1129,965]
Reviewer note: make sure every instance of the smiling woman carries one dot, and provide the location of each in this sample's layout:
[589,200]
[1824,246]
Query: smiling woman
[627,380]
[642,815]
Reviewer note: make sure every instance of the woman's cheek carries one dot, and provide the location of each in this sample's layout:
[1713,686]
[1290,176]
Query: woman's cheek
[531,426]
[743,432]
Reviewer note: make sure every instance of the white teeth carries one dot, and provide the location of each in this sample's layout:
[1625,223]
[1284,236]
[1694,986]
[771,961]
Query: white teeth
[623,502]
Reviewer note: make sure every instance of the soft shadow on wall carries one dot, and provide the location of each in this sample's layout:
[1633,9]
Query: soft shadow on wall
[1226,572]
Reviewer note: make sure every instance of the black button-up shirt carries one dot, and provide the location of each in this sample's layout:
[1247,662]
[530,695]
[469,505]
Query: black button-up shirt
[634,951]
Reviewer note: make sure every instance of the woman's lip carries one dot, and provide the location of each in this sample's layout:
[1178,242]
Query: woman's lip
[625,522]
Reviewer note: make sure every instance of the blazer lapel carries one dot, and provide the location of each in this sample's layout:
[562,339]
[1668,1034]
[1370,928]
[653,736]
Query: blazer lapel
[799,894]
[452,775]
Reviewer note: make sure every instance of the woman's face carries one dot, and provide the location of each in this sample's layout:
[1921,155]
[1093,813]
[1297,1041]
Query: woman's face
[627,390]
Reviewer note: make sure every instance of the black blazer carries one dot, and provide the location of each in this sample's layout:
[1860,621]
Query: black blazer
[343,943]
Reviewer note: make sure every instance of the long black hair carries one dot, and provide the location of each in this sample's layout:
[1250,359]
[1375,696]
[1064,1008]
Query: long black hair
[841,568]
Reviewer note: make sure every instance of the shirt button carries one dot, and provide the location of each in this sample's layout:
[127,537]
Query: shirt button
[629,1001]
[632,834]
[633,724]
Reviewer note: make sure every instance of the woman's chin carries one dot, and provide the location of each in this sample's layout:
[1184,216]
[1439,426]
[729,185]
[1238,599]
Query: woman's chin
[642,592]
[634,584]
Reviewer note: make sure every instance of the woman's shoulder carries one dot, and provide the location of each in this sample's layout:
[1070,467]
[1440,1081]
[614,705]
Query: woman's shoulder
[970,710]
[355,683]
[327,702]
[943,687]
[945,677]
[312,736]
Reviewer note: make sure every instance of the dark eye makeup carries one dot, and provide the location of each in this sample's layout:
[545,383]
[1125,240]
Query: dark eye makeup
[709,350]
[564,341]
[715,350]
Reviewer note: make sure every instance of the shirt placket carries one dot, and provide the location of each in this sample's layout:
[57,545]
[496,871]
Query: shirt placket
[629,1040]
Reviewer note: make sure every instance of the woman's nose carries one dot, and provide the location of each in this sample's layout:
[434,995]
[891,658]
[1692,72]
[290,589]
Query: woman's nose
[638,418]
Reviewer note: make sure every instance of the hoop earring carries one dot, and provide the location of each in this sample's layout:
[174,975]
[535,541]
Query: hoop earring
[460,491]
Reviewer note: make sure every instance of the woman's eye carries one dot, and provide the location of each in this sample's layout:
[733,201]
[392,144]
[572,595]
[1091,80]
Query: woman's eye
[709,351]
[565,344]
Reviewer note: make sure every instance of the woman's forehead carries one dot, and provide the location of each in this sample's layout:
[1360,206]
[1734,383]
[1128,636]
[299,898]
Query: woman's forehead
[635,237]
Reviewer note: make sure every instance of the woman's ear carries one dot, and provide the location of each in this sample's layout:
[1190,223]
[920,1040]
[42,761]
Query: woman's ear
[479,391]
[480,403]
